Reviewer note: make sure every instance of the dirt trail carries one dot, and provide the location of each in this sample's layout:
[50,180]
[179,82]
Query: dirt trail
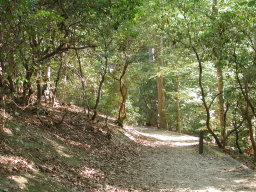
[170,162]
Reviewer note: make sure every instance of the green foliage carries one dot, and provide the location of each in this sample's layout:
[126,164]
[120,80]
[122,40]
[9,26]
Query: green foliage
[106,35]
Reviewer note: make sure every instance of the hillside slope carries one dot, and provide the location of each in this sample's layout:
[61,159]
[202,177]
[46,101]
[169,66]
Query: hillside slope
[58,149]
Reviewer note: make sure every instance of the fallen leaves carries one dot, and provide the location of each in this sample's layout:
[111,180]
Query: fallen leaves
[16,164]
[100,155]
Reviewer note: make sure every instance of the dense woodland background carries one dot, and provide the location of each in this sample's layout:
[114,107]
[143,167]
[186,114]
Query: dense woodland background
[186,65]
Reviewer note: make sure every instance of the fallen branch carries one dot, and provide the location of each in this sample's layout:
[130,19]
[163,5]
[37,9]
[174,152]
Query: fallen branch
[18,106]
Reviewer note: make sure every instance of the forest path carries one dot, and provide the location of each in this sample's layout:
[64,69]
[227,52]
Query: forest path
[170,162]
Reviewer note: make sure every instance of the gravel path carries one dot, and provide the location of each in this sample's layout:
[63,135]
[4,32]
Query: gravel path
[170,162]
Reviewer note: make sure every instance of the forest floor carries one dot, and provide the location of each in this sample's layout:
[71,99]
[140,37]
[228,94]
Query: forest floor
[59,149]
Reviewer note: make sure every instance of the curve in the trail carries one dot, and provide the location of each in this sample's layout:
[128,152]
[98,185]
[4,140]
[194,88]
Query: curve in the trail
[170,162]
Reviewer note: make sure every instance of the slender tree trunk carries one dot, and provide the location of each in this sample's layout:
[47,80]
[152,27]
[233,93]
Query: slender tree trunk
[11,73]
[98,96]
[179,118]
[82,79]
[2,84]
[64,83]
[122,110]
[160,89]
[207,108]
[39,88]
[27,85]
[221,104]
[103,76]
[248,117]
[220,87]
[3,114]
[123,91]
[56,84]
[46,90]
[237,142]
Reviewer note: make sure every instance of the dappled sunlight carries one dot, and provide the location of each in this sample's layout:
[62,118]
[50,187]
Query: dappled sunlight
[7,131]
[5,114]
[184,144]
[173,140]
[205,189]
[71,142]
[163,138]
[59,148]
[14,163]
[90,173]
[117,189]
[130,136]
[240,180]
[209,189]
[19,180]
[172,137]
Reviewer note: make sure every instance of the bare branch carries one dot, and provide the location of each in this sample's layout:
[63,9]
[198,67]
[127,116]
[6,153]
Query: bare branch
[61,49]
[213,99]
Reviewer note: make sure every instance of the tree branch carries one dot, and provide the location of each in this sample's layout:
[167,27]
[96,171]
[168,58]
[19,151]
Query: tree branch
[61,49]
[214,99]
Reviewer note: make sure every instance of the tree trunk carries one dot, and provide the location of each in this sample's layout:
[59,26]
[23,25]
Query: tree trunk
[161,103]
[11,73]
[237,142]
[103,76]
[3,114]
[56,84]
[98,95]
[39,88]
[83,83]
[46,90]
[123,91]
[27,85]
[221,111]
[207,108]
[248,117]
[64,83]
[160,88]
[179,118]
[122,110]
[220,97]
[2,84]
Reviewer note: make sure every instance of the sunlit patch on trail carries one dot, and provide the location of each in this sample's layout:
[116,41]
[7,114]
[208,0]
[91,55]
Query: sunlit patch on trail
[175,140]
[163,138]
[240,180]
[208,189]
